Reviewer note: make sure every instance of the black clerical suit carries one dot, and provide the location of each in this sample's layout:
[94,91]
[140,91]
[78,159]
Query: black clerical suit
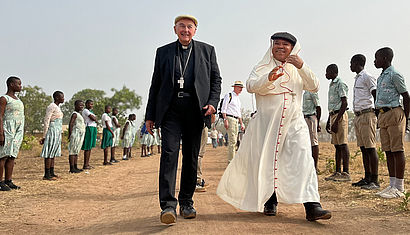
[178,111]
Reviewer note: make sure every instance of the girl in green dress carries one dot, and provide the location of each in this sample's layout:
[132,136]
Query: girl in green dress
[76,132]
[53,123]
[11,131]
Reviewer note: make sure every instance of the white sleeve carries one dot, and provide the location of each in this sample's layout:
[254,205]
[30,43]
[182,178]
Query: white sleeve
[371,83]
[255,84]
[85,113]
[310,81]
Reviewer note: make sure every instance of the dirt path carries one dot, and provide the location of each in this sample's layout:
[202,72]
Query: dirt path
[123,199]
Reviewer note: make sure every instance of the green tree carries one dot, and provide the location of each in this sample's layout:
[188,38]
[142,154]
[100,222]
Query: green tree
[35,103]
[125,100]
[97,96]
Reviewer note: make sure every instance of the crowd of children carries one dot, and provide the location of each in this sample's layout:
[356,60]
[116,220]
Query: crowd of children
[82,134]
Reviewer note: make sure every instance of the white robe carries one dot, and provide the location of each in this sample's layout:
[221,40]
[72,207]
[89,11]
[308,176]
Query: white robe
[275,153]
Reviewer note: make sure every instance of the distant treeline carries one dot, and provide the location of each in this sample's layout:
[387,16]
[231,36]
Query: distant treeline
[36,101]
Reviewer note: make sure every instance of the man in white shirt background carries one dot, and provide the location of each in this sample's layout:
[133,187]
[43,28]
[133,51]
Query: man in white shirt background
[231,112]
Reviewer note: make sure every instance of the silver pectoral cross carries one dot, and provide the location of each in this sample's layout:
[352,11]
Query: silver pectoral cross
[181,82]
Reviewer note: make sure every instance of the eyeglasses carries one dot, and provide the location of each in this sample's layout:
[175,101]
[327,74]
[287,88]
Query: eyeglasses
[190,26]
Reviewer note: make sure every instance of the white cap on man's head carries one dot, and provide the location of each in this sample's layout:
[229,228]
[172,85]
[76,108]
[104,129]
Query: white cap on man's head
[178,18]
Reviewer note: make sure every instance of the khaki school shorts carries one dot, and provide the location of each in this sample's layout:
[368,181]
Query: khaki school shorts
[365,126]
[341,136]
[392,129]
[312,126]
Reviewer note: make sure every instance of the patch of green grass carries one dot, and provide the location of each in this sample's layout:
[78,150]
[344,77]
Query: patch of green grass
[380,154]
[330,165]
[404,205]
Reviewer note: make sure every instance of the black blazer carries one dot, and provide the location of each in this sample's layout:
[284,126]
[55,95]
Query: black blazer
[207,80]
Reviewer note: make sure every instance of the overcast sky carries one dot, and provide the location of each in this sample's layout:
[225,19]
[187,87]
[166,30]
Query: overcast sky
[101,44]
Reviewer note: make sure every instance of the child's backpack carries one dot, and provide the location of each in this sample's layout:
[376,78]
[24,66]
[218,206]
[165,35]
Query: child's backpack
[220,105]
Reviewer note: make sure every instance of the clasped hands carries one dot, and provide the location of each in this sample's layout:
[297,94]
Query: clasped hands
[292,59]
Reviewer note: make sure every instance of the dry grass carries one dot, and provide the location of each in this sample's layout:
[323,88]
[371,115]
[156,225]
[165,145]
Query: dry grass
[124,199]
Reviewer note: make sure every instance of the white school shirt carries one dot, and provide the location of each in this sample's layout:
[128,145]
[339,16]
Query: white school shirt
[362,92]
[232,108]
[105,118]
[88,122]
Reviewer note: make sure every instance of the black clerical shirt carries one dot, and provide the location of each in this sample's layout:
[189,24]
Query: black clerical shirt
[181,58]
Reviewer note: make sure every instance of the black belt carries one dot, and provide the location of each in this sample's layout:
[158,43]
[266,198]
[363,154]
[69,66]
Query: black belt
[309,115]
[232,116]
[358,113]
[181,94]
[333,112]
[386,109]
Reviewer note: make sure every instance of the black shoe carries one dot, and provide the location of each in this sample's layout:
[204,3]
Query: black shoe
[114,161]
[11,184]
[107,163]
[75,170]
[168,216]
[4,186]
[317,213]
[187,211]
[270,210]
[371,186]
[75,167]
[360,183]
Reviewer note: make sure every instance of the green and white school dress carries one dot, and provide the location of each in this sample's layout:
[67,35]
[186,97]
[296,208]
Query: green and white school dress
[77,135]
[53,125]
[13,126]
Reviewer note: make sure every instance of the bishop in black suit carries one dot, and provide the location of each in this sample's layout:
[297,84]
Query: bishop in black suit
[184,92]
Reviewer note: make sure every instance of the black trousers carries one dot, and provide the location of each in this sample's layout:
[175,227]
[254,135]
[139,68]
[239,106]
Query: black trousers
[182,121]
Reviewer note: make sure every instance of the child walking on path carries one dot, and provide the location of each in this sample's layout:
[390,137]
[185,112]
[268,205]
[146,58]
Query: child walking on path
[107,135]
[53,123]
[76,132]
[11,131]
[116,128]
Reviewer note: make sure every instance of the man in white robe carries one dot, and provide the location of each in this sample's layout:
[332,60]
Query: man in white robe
[274,163]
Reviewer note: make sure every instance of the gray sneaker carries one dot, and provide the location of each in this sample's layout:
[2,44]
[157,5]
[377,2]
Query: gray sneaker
[343,177]
[371,186]
[333,176]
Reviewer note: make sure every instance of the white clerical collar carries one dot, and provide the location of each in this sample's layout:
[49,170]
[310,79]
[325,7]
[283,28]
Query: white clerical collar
[187,46]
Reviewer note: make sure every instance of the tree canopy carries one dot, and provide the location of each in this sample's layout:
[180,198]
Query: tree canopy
[97,96]
[35,102]
[125,100]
